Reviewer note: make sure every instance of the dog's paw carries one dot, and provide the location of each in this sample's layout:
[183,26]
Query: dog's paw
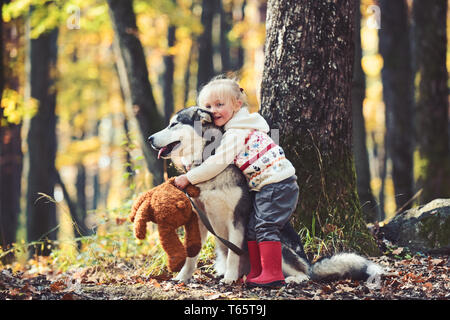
[229,278]
[297,279]
[227,281]
[181,277]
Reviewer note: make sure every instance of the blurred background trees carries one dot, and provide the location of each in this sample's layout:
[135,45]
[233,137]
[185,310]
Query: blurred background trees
[85,82]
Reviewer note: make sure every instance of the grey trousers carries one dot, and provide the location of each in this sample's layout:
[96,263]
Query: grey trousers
[273,205]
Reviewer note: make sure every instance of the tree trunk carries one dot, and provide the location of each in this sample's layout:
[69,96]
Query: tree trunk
[2,77]
[226,21]
[205,56]
[134,80]
[80,229]
[398,96]
[306,94]
[432,106]
[187,72]
[11,157]
[168,76]
[367,200]
[41,213]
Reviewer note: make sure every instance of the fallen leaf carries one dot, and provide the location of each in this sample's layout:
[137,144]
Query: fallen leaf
[437,262]
[326,290]
[120,221]
[67,296]
[213,296]
[398,251]
[155,283]
[57,286]
[428,286]
[14,292]
[30,288]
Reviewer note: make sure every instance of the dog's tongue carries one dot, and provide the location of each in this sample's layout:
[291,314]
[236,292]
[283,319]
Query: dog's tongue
[161,151]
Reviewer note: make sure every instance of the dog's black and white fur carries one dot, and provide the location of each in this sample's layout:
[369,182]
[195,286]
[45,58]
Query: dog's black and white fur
[226,201]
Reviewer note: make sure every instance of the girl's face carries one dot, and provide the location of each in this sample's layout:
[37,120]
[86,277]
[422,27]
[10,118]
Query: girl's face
[222,110]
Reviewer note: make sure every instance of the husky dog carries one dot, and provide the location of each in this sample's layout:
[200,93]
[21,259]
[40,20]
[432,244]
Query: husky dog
[188,140]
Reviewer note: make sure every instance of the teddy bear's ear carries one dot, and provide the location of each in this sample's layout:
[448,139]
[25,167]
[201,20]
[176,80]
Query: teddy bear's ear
[192,191]
[204,116]
[171,180]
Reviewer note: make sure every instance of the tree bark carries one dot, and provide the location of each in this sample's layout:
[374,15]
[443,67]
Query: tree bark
[168,76]
[367,200]
[187,72]
[430,38]
[80,228]
[226,21]
[2,78]
[135,81]
[306,94]
[41,213]
[205,48]
[398,96]
[11,157]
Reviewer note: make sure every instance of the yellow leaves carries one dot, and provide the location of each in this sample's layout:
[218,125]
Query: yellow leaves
[85,151]
[369,38]
[85,146]
[373,111]
[372,64]
[253,36]
[14,9]
[45,17]
[15,108]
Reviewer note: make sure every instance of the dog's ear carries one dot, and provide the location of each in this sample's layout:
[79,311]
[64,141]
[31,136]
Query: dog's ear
[204,116]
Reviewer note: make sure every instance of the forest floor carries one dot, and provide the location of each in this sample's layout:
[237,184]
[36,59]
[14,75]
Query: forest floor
[417,278]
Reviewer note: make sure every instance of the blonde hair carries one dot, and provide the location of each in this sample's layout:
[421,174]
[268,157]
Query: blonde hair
[224,89]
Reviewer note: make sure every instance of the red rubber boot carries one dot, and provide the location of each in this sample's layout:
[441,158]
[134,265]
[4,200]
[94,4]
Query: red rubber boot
[271,264]
[255,260]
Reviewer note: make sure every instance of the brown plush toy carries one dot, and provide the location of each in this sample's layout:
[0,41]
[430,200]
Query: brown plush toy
[169,208]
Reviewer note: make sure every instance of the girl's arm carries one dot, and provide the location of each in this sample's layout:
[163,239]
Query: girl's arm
[230,146]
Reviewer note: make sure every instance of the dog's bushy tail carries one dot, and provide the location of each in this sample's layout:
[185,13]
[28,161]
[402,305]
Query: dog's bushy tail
[345,266]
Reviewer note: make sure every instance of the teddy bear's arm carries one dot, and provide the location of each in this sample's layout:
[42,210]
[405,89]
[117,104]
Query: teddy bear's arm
[143,215]
[137,203]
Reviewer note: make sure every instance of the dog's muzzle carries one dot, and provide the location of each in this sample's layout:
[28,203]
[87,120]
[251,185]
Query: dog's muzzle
[165,150]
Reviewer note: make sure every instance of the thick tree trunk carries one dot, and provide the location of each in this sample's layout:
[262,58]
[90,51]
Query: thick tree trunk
[306,94]
[134,80]
[398,96]
[205,48]
[41,214]
[366,198]
[430,35]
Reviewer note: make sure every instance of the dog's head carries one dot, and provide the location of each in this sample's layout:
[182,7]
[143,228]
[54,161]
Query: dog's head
[183,139]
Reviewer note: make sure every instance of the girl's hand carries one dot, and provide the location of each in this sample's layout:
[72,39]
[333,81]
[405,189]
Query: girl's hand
[181,181]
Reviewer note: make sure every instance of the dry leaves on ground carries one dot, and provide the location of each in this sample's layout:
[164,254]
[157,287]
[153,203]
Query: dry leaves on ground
[415,278]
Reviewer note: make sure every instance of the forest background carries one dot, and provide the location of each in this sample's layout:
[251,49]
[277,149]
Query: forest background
[95,154]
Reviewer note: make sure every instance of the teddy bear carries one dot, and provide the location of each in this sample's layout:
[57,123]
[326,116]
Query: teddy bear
[169,208]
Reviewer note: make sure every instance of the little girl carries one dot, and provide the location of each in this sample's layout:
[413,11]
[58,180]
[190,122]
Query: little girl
[271,177]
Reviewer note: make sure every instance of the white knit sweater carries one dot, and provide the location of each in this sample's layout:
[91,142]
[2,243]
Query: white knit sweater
[247,145]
